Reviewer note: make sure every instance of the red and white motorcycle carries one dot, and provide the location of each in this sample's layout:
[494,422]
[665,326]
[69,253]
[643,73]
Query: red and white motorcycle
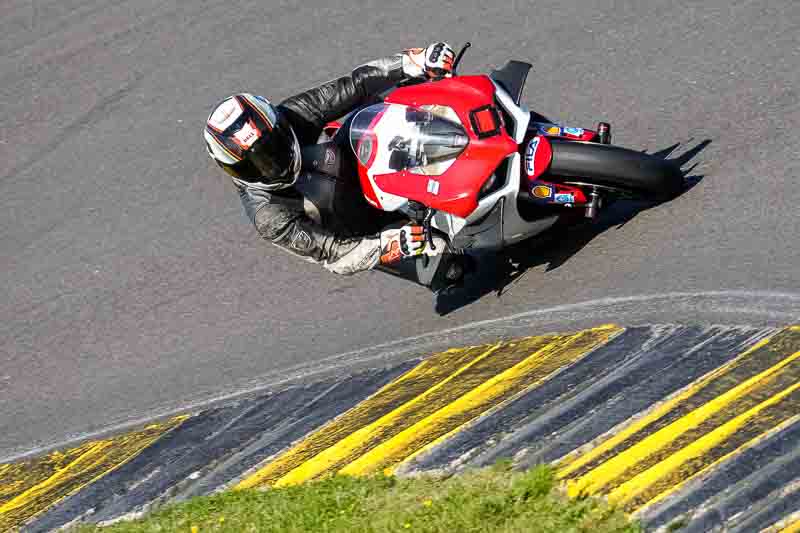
[463,157]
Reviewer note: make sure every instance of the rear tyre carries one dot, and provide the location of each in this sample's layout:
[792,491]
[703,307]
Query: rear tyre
[611,166]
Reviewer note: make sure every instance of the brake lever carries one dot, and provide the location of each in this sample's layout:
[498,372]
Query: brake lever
[460,55]
[426,225]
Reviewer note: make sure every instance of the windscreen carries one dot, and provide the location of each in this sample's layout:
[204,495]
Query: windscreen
[393,137]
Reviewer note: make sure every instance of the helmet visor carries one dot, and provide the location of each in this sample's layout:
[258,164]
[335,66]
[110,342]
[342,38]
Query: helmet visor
[275,156]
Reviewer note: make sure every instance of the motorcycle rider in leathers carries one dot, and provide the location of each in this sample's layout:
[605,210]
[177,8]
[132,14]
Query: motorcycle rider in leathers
[259,144]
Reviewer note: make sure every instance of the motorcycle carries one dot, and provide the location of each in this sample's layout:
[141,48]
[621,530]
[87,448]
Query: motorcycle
[464,158]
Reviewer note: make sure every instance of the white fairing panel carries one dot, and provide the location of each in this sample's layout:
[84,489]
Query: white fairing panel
[520,117]
[515,228]
[393,122]
[519,113]
[390,138]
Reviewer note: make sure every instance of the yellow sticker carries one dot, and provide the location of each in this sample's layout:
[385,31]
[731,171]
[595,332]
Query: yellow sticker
[542,191]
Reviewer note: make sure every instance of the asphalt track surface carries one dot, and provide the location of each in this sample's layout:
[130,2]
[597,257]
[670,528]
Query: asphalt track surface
[132,285]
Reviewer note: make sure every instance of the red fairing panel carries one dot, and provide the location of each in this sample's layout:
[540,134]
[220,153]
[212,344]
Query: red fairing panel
[456,190]
[538,155]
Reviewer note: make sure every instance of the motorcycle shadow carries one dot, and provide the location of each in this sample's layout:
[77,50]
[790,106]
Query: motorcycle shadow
[496,272]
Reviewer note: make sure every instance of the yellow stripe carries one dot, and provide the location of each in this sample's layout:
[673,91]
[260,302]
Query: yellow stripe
[371,435]
[532,371]
[437,382]
[657,455]
[604,474]
[28,488]
[411,384]
[577,460]
[630,489]
[792,528]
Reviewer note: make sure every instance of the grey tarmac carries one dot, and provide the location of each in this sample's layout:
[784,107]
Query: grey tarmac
[133,286]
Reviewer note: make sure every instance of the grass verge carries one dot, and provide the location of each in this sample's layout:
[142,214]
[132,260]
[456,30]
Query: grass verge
[493,500]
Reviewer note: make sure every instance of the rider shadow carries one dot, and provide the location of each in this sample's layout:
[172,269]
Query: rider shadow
[496,272]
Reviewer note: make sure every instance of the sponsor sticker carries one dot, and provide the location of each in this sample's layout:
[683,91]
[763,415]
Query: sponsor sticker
[577,132]
[330,157]
[565,198]
[433,187]
[391,253]
[246,136]
[550,129]
[542,191]
[530,156]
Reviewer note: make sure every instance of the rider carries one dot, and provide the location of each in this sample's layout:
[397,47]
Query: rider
[259,143]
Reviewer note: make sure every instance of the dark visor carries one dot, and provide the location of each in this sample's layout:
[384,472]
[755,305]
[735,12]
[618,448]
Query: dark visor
[271,158]
[273,154]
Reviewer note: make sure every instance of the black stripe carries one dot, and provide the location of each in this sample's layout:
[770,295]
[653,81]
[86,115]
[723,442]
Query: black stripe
[778,508]
[767,420]
[737,485]
[218,444]
[616,381]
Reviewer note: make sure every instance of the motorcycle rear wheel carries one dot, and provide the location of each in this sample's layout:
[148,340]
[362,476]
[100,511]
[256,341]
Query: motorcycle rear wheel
[639,174]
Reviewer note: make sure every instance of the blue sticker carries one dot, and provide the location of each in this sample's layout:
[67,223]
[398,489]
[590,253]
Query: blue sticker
[578,132]
[565,198]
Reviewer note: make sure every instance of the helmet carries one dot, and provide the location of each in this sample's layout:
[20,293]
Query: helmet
[253,142]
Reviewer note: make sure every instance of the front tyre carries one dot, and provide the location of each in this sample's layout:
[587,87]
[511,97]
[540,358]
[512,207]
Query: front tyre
[606,165]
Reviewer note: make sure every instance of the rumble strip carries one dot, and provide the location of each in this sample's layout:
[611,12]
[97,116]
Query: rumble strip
[679,425]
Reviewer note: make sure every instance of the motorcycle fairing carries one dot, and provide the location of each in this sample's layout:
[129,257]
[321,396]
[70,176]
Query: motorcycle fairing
[538,155]
[455,190]
[395,139]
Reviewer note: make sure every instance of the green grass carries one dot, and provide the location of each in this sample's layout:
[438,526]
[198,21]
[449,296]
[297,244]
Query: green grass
[494,500]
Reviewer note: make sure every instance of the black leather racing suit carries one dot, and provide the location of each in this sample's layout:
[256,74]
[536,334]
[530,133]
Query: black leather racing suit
[279,216]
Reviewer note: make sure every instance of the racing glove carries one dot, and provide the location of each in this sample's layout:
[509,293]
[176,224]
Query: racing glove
[408,241]
[435,61]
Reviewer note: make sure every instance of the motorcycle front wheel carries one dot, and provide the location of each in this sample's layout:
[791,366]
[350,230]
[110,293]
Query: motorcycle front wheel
[637,173]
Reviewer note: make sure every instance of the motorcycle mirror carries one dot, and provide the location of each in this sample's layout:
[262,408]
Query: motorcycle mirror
[460,55]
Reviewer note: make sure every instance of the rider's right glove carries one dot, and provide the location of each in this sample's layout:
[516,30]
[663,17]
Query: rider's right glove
[408,241]
[435,61]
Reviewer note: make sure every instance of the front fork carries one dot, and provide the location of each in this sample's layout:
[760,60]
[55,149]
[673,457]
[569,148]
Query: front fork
[603,137]
[593,206]
[570,195]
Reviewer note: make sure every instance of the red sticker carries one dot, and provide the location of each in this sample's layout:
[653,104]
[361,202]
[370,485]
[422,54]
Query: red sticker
[248,135]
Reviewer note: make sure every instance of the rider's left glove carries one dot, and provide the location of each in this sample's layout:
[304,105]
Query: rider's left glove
[435,61]
[408,241]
